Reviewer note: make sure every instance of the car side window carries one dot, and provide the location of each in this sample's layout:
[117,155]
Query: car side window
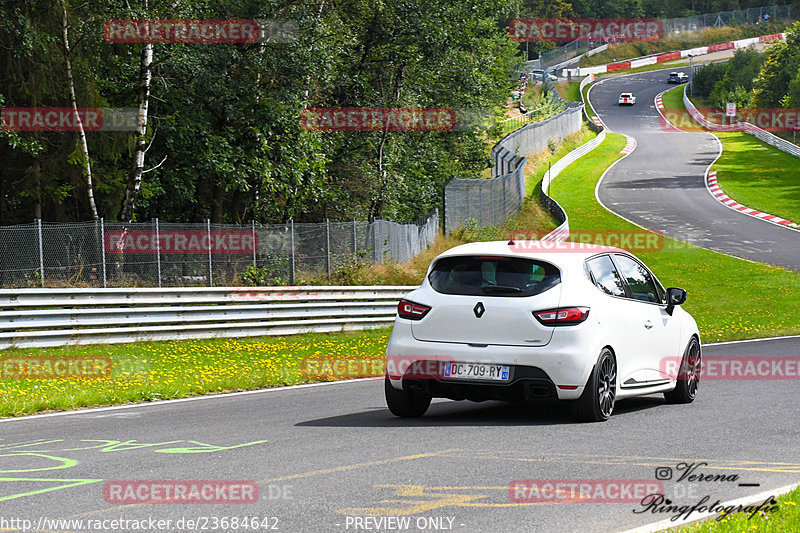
[605,275]
[639,279]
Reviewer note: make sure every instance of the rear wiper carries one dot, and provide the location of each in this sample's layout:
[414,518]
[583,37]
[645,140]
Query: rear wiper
[500,288]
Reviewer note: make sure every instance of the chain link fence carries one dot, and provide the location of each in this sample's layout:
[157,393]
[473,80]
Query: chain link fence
[490,202]
[114,254]
[751,15]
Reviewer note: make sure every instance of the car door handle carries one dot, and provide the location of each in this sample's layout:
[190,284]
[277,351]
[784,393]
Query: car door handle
[648,325]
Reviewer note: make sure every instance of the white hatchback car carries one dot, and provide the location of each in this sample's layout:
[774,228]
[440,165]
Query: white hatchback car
[529,321]
[627,99]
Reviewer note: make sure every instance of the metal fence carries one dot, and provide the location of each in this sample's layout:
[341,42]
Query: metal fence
[728,18]
[114,254]
[490,202]
[722,18]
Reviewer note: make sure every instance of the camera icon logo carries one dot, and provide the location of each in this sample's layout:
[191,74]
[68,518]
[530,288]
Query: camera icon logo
[663,473]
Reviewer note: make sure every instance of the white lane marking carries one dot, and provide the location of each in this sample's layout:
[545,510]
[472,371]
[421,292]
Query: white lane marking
[94,410]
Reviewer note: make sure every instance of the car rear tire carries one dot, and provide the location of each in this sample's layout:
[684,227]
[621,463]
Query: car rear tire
[688,376]
[406,403]
[597,401]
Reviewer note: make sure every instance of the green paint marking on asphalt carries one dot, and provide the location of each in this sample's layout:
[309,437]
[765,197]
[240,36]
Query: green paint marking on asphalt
[69,483]
[207,448]
[65,462]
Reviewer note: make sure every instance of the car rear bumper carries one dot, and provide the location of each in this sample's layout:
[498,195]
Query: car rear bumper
[566,362]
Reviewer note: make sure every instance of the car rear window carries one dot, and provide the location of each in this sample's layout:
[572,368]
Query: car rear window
[493,276]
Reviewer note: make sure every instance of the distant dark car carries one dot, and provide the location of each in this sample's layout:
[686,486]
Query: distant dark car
[677,77]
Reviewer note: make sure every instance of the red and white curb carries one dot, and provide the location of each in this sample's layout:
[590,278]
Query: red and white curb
[659,103]
[597,120]
[630,146]
[715,190]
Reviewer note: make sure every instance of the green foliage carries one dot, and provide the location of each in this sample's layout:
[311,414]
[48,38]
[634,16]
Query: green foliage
[776,85]
[227,117]
[736,83]
[274,271]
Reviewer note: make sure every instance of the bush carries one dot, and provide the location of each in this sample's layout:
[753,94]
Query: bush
[706,77]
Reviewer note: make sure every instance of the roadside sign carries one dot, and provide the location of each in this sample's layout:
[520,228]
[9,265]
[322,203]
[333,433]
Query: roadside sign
[730,109]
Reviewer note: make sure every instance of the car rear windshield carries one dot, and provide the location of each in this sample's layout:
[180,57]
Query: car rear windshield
[493,276]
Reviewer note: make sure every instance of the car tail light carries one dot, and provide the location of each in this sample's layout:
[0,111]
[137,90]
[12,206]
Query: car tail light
[563,316]
[411,310]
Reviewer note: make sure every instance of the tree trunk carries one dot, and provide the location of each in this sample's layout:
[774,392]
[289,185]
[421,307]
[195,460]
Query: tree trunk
[135,176]
[74,102]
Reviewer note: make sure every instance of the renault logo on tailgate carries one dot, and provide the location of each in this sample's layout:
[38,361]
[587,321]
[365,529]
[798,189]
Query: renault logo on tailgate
[478,310]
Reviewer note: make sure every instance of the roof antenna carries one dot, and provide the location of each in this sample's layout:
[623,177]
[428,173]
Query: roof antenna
[511,239]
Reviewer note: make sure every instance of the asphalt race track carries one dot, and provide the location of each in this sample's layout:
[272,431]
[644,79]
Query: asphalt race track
[324,455]
[331,457]
[660,185]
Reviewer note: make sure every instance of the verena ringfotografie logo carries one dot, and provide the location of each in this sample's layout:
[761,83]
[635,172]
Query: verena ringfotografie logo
[55,367]
[773,120]
[378,119]
[199,31]
[582,490]
[181,492]
[736,368]
[588,30]
[180,242]
[67,119]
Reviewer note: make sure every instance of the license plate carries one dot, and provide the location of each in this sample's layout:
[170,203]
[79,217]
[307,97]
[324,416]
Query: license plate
[476,371]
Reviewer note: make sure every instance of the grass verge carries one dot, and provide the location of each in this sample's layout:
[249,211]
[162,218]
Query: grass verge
[750,171]
[717,284]
[148,371]
[569,91]
[786,518]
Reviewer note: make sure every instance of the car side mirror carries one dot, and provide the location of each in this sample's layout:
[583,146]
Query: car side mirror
[675,296]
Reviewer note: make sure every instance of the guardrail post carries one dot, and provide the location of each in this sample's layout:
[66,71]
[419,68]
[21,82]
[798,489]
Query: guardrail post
[41,252]
[103,248]
[292,273]
[210,270]
[158,253]
[328,247]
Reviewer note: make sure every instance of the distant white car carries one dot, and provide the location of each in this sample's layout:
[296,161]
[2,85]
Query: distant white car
[627,99]
[584,323]
[539,75]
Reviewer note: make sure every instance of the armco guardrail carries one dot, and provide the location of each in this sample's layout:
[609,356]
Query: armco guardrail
[562,231]
[762,135]
[56,317]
